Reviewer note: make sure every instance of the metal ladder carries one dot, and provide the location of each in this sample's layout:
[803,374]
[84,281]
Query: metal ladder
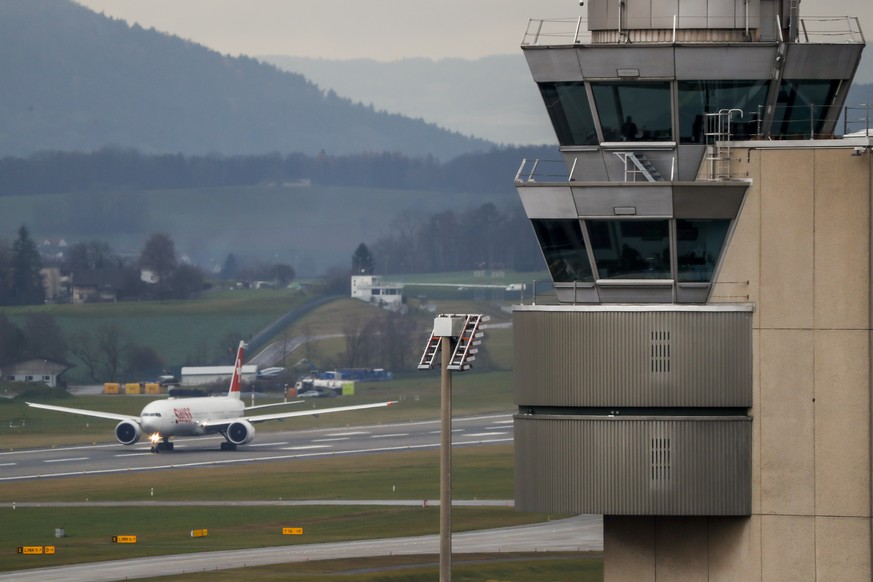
[464,351]
[430,353]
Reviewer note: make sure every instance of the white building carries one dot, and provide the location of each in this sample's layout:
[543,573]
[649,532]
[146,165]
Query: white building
[371,289]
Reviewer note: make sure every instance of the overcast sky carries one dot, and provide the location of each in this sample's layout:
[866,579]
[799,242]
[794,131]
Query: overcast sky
[377,29]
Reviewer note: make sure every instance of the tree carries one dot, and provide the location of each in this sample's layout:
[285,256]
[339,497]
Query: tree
[159,256]
[27,288]
[11,341]
[44,338]
[142,361]
[362,261]
[186,282]
[230,268]
[94,254]
[282,274]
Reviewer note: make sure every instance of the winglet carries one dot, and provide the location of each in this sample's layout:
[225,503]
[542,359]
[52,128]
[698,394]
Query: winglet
[237,371]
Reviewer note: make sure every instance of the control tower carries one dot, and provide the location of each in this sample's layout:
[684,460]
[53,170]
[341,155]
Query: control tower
[703,377]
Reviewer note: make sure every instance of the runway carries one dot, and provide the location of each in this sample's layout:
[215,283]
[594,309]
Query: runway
[106,458]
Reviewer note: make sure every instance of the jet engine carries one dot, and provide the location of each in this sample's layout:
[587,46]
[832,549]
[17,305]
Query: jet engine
[240,432]
[127,432]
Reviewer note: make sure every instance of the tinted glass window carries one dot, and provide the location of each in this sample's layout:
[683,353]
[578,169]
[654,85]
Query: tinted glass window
[699,97]
[801,107]
[698,246]
[637,111]
[567,104]
[631,249]
[563,249]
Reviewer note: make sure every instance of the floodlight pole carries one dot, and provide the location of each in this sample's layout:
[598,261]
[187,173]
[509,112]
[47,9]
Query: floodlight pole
[446,462]
[456,337]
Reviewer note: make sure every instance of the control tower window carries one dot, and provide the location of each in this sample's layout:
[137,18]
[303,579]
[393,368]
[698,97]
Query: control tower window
[699,97]
[563,249]
[631,249]
[698,246]
[567,104]
[801,107]
[638,111]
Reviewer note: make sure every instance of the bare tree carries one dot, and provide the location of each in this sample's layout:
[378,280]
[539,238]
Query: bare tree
[357,334]
[110,342]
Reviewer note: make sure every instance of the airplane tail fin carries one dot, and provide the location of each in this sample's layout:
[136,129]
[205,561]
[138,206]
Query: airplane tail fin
[237,372]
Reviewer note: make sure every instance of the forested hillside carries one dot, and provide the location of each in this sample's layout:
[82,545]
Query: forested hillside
[75,80]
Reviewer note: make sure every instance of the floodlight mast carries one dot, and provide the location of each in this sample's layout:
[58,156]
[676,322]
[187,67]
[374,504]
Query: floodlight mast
[455,337]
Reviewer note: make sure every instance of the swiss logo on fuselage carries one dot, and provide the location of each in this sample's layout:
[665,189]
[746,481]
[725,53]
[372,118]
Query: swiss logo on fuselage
[183,415]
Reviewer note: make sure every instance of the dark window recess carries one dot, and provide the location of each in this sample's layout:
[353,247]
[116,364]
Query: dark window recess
[637,111]
[567,105]
[801,107]
[631,249]
[563,249]
[698,246]
[697,98]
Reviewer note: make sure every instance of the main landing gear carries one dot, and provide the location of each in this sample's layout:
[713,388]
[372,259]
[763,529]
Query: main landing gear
[161,444]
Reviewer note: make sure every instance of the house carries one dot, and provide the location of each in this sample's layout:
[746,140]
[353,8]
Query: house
[97,285]
[34,371]
[370,288]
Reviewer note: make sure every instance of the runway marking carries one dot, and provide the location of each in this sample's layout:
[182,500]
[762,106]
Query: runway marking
[269,444]
[330,440]
[485,434]
[134,454]
[453,430]
[8,464]
[347,434]
[385,436]
[305,447]
[510,421]
[65,460]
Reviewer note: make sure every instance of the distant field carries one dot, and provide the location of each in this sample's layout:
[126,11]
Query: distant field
[309,227]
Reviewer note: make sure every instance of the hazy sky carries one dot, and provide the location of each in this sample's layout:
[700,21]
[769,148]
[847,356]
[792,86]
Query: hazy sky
[377,29]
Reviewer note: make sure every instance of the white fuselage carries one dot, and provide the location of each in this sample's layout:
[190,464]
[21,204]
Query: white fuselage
[184,416]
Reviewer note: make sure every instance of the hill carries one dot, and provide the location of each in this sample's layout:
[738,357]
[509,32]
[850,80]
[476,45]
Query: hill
[77,80]
[492,97]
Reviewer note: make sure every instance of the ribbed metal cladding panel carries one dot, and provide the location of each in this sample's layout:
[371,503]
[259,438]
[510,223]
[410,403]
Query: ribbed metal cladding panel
[633,466]
[633,358]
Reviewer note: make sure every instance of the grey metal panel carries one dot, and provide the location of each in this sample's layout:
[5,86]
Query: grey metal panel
[580,357]
[589,165]
[725,62]
[817,61]
[689,160]
[708,200]
[547,201]
[598,15]
[721,14]
[649,198]
[582,293]
[662,13]
[635,293]
[604,61]
[633,465]
[692,292]
[638,14]
[552,63]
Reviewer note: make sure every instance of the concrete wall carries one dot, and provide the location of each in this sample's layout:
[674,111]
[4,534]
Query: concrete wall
[801,253]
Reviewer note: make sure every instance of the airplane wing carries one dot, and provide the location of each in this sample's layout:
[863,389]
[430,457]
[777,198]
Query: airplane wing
[275,404]
[281,415]
[82,412]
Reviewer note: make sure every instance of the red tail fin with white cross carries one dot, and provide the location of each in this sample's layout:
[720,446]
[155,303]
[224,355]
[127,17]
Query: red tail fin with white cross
[237,372]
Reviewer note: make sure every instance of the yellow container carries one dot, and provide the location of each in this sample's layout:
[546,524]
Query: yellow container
[152,388]
[132,388]
[112,388]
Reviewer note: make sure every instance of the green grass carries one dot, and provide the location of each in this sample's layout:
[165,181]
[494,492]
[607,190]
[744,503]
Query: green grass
[551,567]
[167,530]
[478,473]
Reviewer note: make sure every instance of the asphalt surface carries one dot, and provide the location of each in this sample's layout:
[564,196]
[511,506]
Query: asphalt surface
[107,458]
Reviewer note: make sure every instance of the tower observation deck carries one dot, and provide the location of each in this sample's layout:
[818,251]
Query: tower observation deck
[697,233]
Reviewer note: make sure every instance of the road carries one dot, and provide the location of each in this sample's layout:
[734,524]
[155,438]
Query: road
[106,458]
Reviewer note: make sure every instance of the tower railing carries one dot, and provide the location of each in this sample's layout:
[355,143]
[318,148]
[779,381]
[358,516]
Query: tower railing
[574,31]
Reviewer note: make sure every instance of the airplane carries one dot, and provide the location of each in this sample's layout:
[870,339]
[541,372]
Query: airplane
[171,417]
